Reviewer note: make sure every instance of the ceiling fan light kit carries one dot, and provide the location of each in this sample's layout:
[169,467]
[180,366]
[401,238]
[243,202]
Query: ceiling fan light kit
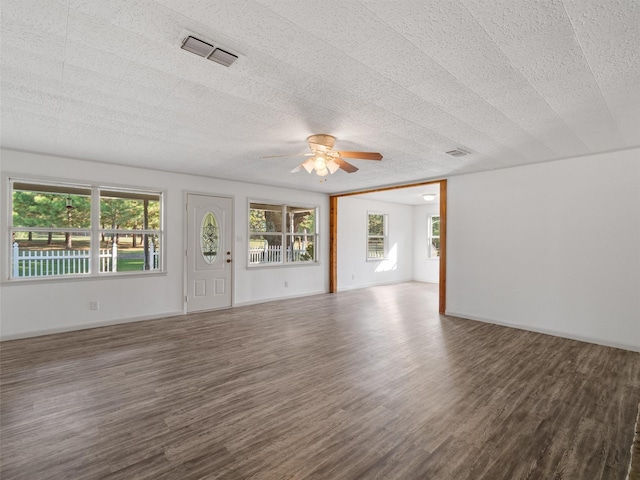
[320,162]
[325,160]
[333,166]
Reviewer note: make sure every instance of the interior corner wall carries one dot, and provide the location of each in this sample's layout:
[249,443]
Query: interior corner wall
[354,271]
[551,247]
[425,269]
[32,308]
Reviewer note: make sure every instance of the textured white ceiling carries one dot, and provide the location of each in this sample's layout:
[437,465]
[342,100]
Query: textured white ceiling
[512,81]
[405,195]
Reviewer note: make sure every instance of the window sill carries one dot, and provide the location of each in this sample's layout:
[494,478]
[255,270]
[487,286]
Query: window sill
[267,266]
[79,278]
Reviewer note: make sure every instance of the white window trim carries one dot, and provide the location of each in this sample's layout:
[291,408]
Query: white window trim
[385,237]
[282,264]
[6,219]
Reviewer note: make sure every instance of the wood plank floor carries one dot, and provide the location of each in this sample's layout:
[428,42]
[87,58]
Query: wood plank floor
[370,383]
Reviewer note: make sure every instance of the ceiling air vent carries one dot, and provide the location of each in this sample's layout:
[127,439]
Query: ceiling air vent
[208,51]
[222,57]
[458,152]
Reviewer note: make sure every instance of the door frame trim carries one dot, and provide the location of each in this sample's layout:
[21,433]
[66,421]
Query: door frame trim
[333,236]
[185,243]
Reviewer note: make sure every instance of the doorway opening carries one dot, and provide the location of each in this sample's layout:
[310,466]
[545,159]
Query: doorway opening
[431,251]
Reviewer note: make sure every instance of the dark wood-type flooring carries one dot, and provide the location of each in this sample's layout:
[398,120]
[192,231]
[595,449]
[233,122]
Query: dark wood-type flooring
[370,383]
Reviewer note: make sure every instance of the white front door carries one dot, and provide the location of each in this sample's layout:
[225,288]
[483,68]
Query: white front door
[209,252]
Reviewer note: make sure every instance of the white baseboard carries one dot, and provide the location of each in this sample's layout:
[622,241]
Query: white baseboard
[286,297]
[105,323]
[426,280]
[372,284]
[546,331]
[84,326]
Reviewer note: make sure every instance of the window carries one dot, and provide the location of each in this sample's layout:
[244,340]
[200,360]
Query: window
[131,220]
[376,236]
[282,234]
[62,229]
[433,229]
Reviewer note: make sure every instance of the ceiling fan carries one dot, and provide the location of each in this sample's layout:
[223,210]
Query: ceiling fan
[325,160]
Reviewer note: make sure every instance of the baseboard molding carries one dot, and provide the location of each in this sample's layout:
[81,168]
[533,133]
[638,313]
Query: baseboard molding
[426,280]
[546,331]
[286,297]
[118,321]
[372,284]
[85,326]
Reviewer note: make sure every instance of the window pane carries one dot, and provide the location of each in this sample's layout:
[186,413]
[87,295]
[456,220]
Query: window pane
[265,249]
[300,248]
[376,247]
[301,220]
[129,252]
[59,209]
[265,218]
[129,211]
[209,238]
[51,230]
[435,226]
[376,224]
[435,248]
[47,254]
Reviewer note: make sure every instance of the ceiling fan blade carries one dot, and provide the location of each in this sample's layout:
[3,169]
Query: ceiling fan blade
[290,155]
[346,166]
[361,155]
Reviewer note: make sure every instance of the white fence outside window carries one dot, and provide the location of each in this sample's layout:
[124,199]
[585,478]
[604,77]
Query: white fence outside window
[273,254]
[47,263]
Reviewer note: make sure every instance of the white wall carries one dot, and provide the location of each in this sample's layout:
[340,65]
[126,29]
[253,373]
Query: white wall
[425,269]
[552,247]
[354,271]
[40,307]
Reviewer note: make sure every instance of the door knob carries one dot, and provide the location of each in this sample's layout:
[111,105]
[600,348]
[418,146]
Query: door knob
[228,260]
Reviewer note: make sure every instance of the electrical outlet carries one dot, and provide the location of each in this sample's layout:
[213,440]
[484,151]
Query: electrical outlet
[286,284]
[94,305]
[353,277]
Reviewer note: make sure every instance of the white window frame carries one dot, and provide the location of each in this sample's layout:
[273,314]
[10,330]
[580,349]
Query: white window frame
[432,252]
[284,236]
[94,231]
[384,236]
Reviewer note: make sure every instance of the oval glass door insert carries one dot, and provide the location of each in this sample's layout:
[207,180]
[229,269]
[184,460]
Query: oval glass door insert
[209,238]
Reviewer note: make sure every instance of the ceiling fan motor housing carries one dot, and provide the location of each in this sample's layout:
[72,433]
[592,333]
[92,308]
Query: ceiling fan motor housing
[325,160]
[321,142]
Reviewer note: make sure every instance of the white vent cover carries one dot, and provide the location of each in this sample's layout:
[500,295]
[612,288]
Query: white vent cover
[457,152]
[208,51]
